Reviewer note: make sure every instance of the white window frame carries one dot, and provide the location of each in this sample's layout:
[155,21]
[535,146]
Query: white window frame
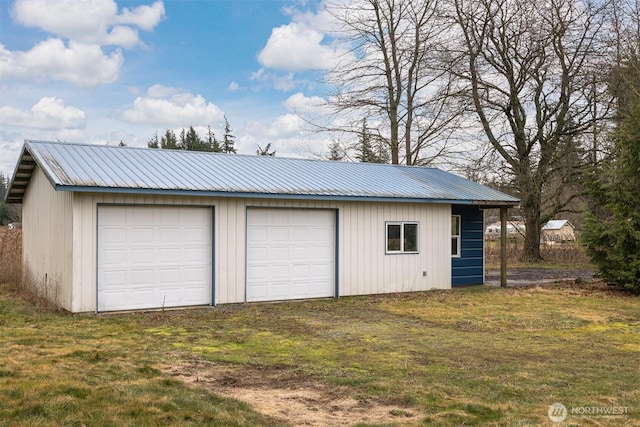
[458,236]
[402,240]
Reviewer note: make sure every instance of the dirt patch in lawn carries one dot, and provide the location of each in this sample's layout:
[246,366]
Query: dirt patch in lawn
[297,400]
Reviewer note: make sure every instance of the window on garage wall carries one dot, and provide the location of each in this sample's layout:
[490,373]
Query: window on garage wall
[455,236]
[402,237]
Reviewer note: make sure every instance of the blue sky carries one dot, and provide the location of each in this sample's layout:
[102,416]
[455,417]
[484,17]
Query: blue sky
[102,71]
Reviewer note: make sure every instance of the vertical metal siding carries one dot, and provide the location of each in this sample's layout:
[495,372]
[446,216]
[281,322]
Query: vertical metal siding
[367,269]
[364,268]
[468,269]
[47,240]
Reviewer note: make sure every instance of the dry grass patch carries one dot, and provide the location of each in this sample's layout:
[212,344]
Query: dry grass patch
[10,257]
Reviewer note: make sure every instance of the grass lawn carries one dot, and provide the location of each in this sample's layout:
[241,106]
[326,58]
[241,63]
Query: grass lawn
[471,356]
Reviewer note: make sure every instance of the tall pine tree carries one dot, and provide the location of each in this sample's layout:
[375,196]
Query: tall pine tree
[191,141]
[366,150]
[154,141]
[228,142]
[169,140]
[212,142]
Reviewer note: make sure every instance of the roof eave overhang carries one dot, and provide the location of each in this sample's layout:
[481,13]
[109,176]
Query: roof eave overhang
[493,204]
[260,195]
[21,177]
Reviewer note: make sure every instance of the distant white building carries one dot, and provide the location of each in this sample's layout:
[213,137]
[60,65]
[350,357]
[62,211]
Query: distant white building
[554,231]
[559,231]
[514,228]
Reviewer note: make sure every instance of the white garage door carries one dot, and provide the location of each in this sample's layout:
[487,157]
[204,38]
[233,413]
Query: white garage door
[290,254]
[153,257]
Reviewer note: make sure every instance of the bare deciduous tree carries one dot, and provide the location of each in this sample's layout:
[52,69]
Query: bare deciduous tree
[393,76]
[530,78]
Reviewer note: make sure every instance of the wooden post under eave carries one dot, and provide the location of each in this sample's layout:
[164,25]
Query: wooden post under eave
[503,246]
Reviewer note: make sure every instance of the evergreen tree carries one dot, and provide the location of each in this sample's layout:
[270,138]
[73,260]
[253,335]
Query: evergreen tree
[612,230]
[364,149]
[228,142]
[381,151]
[211,142]
[4,209]
[336,151]
[191,141]
[265,151]
[367,151]
[181,142]
[169,140]
[154,142]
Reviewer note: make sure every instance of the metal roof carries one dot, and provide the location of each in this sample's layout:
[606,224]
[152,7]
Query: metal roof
[556,224]
[103,168]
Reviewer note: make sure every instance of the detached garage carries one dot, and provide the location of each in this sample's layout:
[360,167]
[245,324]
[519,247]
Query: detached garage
[116,228]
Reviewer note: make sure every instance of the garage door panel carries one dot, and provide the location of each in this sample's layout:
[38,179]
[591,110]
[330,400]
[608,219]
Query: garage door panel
[114,257]
[168,276]
[114,279]
[278,253]
[290,254]
[300,235]
[279,290]
[278,234]
[141,256]
[196,255]
[146,260]
[113,234]
[141,235]
[142,277]
[168,234]
[166,255]
[257,252]
[173,216]
[193,274]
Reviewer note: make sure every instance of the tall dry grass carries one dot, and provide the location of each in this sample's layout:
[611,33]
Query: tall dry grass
[565,254]
[10,258]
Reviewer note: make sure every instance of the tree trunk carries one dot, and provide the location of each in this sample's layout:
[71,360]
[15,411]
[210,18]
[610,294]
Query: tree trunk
[531,252]
[530,203]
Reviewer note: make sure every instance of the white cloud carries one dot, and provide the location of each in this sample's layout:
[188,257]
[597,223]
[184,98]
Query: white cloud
[92,22]
[121,36]
[286,126]
[81,64]
[259,75]
[285,83]
[160,91]
[165,106]
[47,113]
[298,47]
[300,103]
[233,86]
[144,17]
[79,29]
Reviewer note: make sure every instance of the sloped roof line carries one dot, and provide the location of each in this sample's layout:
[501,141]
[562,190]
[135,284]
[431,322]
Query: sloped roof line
[556,224]
[86,167]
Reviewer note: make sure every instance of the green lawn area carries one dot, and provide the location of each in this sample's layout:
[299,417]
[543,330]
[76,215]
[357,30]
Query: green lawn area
[471,356]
